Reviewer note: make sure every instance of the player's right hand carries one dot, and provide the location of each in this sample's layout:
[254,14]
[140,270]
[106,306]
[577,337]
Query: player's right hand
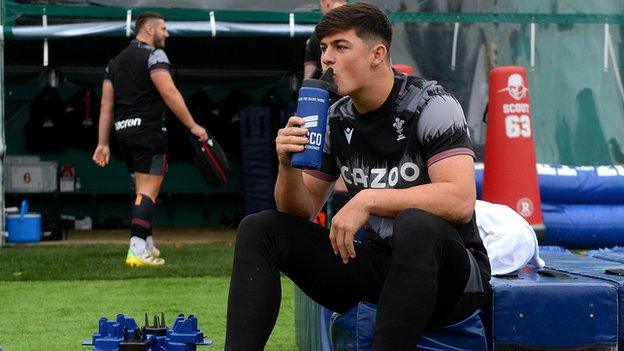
[101,155]
[199,132]
[290,139]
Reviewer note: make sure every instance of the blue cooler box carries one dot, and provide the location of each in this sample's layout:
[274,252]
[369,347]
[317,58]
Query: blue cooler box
[24,228]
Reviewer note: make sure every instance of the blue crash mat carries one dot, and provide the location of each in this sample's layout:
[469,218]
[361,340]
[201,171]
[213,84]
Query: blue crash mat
[354,330]
[608,271]
[615,254]
[552,310]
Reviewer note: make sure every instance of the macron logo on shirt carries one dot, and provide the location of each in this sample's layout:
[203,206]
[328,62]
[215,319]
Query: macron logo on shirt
[348,133]
[311,121]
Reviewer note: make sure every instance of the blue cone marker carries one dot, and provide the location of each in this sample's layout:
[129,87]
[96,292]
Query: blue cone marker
[312,106]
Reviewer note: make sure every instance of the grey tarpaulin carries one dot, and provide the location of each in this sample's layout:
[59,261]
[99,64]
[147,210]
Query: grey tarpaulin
[577,105]
[247,5]
[175,28]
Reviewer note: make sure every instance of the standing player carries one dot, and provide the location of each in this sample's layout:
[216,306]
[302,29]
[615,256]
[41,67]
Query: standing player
[136,92]
[312,57]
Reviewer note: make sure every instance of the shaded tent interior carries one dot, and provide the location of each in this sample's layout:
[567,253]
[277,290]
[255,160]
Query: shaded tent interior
[222,74]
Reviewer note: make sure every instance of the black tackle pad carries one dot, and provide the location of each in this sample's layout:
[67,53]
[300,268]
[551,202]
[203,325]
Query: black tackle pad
[211,161]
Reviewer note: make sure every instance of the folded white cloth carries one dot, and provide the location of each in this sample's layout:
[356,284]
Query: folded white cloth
[509,239]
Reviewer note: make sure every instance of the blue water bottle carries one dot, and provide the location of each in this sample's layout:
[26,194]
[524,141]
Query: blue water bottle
[312,106]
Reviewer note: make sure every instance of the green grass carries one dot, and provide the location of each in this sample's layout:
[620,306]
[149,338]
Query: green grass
[62,291]
[107,262]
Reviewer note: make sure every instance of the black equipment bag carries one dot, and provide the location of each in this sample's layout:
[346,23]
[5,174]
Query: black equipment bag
[211,161]
[47,122]
[83,115]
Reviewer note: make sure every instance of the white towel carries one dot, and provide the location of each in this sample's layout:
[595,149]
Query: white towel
[509,239]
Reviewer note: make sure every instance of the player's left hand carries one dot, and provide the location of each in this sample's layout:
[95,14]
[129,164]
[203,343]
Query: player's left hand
[351,217]
[199,132]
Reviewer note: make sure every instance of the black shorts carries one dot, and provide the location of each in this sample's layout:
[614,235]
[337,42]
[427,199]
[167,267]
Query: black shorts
[145,152]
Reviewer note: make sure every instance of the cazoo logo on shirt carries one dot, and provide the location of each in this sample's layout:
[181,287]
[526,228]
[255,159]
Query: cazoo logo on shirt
[126,123]
[380,178]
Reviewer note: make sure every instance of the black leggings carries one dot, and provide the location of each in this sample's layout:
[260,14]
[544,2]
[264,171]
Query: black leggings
[417,280]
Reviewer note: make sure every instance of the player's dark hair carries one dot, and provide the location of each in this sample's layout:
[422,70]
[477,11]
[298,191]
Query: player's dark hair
[368,21]
[144,17]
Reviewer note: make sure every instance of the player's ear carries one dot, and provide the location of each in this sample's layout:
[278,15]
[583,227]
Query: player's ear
[149,27]
[379,52]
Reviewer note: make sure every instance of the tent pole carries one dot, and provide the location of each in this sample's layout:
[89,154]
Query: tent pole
[2,138]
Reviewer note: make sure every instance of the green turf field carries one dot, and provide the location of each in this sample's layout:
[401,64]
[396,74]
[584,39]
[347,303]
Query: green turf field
[52,297]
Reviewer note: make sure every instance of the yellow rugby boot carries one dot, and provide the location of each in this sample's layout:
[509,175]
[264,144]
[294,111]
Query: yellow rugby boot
[144,259]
